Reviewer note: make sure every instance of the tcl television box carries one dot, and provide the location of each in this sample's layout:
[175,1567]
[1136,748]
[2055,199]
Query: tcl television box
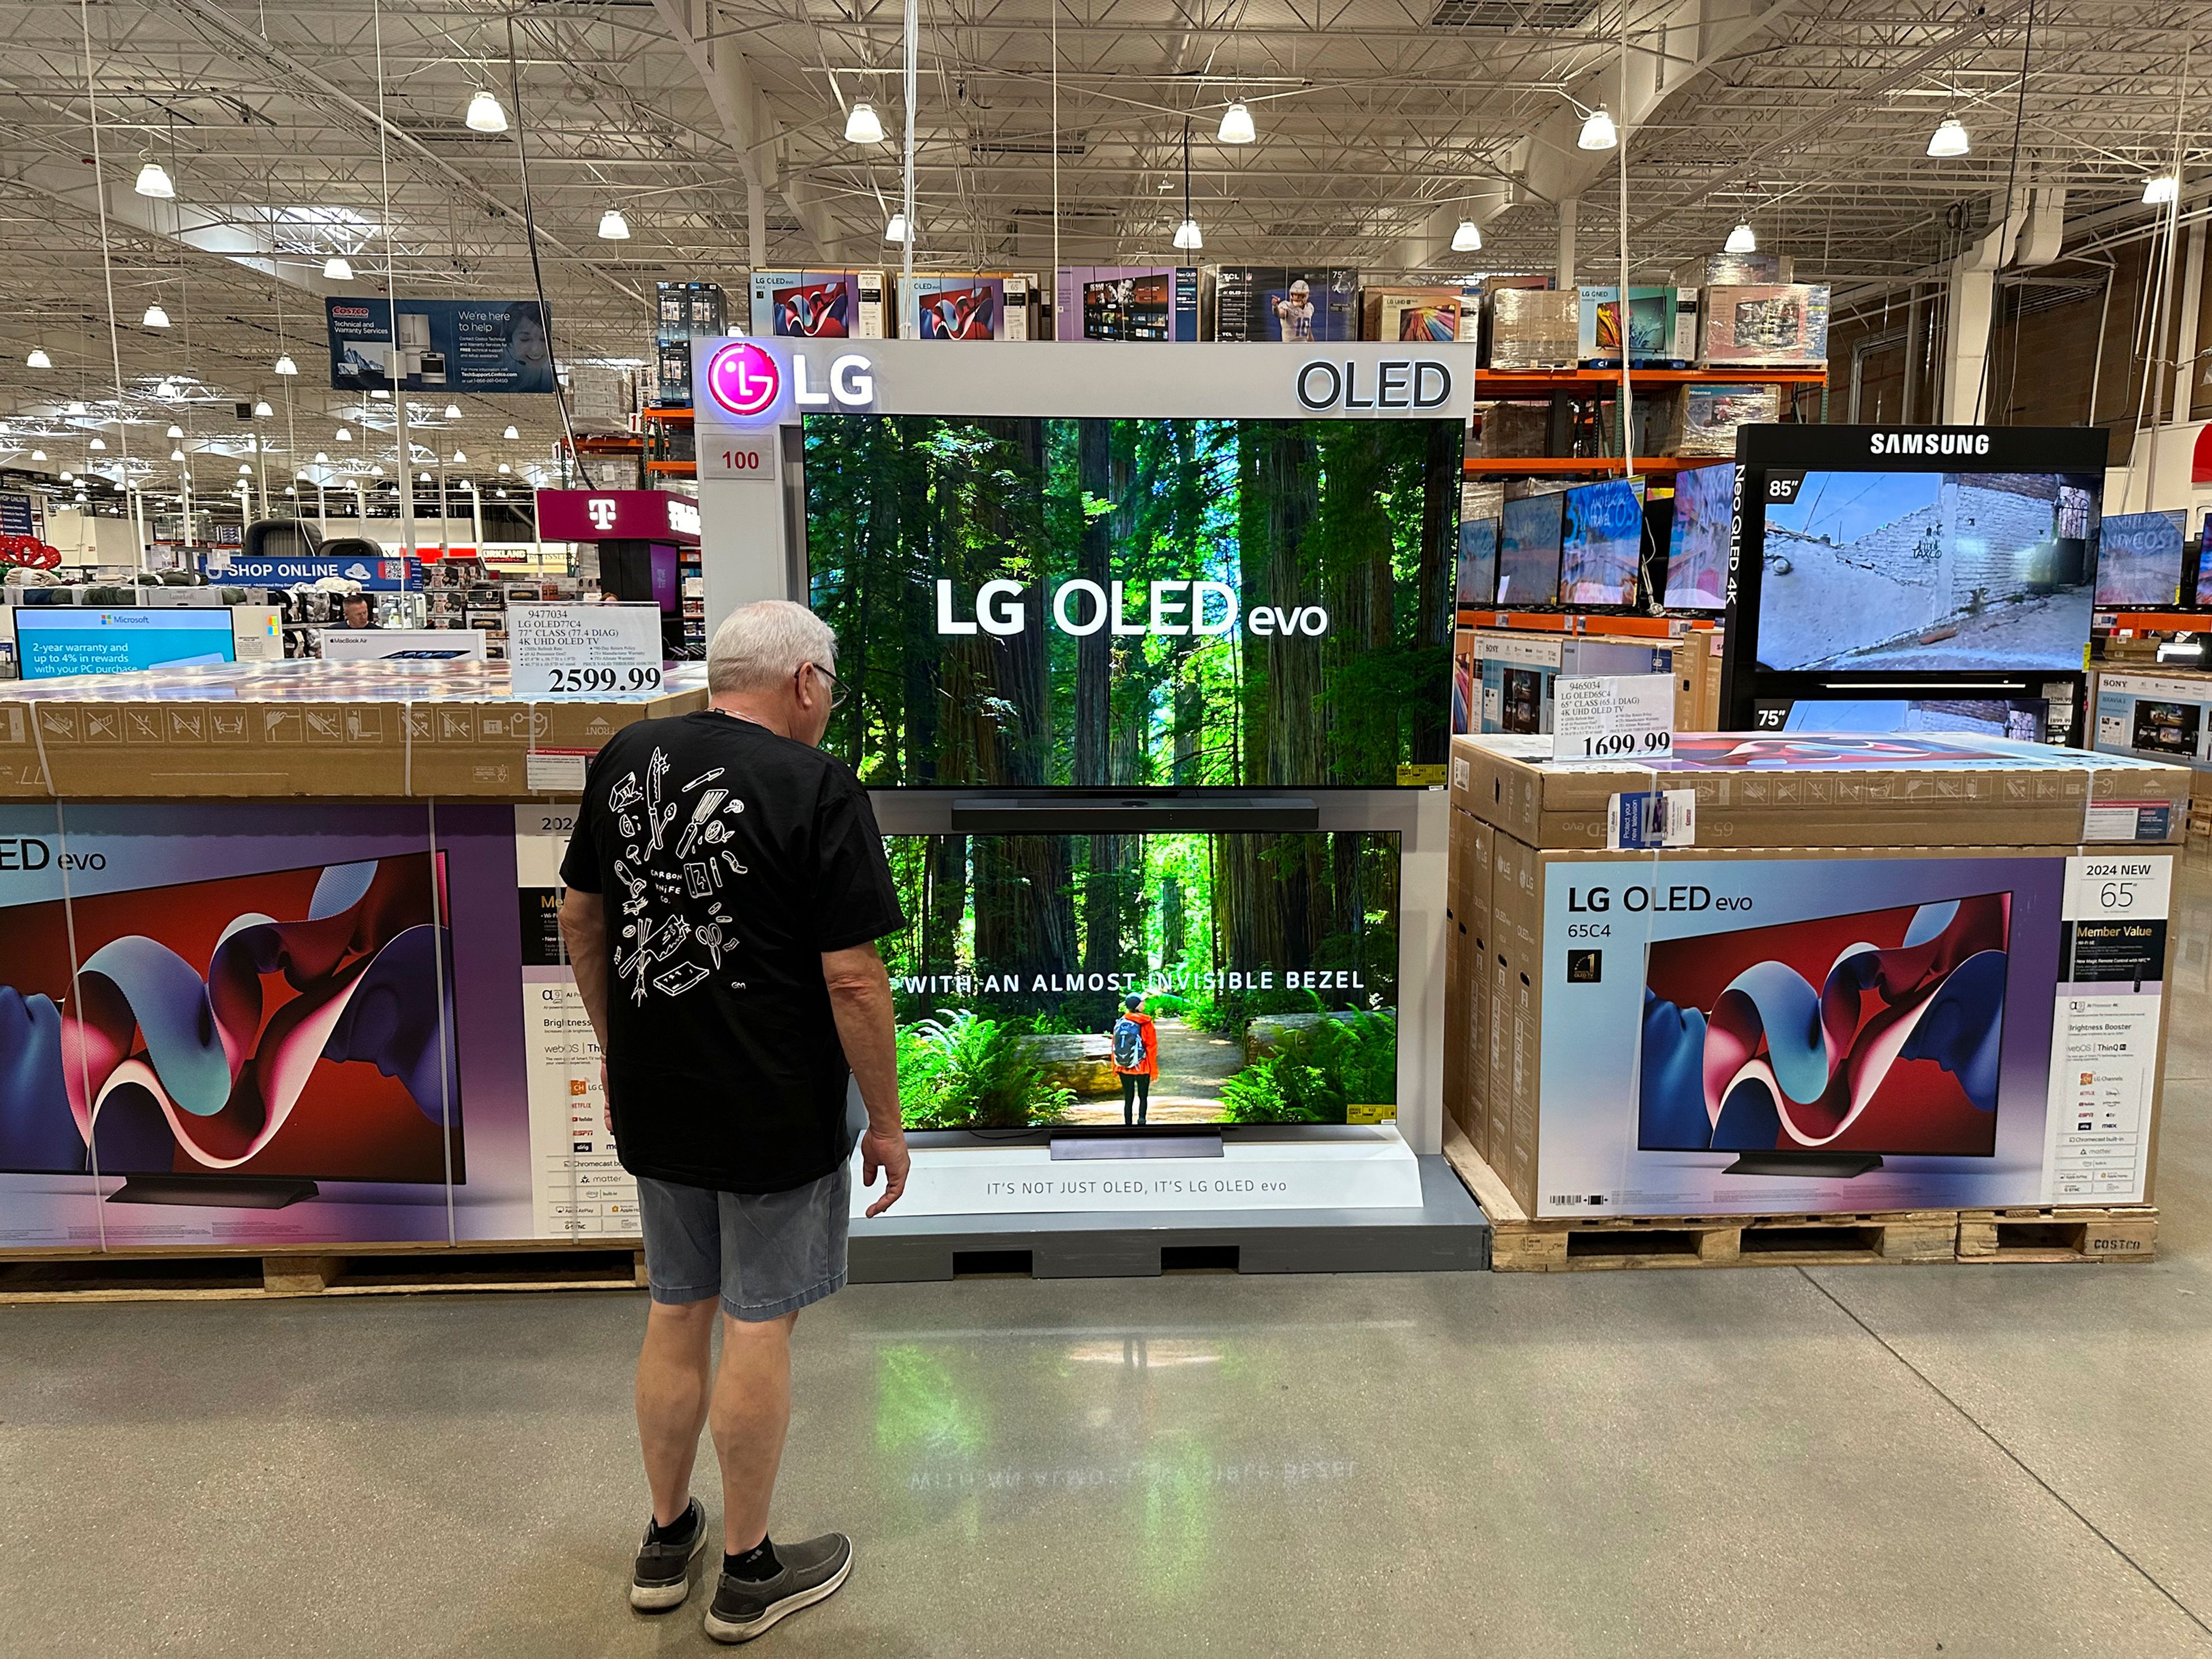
[1429,315]
[968,305]
[1132,302]
[1286,303]
[1661,334]
[1534,328]
[1782,325]
[819,305]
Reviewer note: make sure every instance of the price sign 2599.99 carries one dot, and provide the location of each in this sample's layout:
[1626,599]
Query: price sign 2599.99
[643,678]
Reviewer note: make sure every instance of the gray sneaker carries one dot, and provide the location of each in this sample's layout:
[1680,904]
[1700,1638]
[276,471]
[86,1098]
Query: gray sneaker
[662,1578]
[744,1608]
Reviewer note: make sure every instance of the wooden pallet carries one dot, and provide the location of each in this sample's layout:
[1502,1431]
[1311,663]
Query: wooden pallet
[1519,1243]
[150,1276]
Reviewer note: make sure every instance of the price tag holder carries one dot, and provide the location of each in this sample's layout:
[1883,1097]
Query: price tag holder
[588,650]
[1628,717]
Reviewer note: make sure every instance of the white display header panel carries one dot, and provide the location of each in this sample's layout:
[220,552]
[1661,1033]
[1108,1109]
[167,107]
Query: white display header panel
[745,385]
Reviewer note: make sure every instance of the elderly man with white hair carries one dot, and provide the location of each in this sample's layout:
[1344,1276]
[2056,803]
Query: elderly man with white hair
[726,885]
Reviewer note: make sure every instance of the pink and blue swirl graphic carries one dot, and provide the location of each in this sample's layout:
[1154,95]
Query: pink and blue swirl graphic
[1879,1031]
[150,1063]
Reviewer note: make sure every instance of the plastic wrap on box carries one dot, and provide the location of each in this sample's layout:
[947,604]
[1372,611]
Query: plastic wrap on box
[1534,328]
[1771,325]
[1711,415]
[1515,431]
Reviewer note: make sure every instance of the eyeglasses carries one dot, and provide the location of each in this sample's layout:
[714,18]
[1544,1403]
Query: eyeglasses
[837,693]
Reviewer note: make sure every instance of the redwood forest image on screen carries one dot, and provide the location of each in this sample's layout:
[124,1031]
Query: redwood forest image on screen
[1115,602]
[1263,968]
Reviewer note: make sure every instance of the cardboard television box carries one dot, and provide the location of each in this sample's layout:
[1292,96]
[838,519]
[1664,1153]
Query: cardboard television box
[1295,303]
[1663,327]
[819,305]
[1532,328]
[970,305]
[1467,986]
[1515,672]
[1946,956]
[2155,717]
[309,728]
[1132,302]
[1430,315]
[1770,325]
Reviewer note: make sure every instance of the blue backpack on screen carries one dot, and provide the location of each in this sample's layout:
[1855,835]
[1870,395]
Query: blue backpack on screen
[1129,1044]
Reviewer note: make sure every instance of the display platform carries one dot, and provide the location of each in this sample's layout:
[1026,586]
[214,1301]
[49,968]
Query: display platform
[1443,1232]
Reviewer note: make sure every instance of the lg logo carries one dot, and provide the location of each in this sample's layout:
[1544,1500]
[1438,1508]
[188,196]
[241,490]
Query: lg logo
[601,510]
[743,379]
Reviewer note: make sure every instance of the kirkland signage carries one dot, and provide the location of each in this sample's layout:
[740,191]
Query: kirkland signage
[445,345]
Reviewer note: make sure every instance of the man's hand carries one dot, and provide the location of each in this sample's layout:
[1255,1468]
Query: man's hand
[606,1101]
[888,1153]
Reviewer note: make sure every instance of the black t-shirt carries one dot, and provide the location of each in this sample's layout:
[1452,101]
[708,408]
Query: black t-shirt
[730,859]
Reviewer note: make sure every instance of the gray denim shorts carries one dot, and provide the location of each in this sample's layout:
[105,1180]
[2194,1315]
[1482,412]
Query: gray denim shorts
[766,1254]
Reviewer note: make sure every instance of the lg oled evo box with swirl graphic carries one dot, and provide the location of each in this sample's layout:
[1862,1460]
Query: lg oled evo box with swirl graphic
[1727,1018]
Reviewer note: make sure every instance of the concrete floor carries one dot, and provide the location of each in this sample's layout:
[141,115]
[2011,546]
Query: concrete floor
[1771,1462]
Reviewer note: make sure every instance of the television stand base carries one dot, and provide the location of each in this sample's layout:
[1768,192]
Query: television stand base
[1144,1145]
[1825,1166]
[219,1192]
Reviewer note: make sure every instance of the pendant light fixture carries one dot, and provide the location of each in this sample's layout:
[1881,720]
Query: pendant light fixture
[1598,131]
[1467,239]
[337,269]
[1741,239]
[37,359]
[899,230]
[453,411]
[345,434]
[862,126]
[484,113]
[176,455]
[2158,191]
[154,181]
[167,391]
[156,317]
[97,443]
[510,432]
[1187,236]
[613,228]
[176,432]
[459,459]
[38,454]
[1236,126]
[262,410]
[285,366]
[1949,139]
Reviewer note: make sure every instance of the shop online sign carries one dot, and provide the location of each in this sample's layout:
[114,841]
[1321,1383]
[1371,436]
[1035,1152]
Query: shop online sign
[616,515]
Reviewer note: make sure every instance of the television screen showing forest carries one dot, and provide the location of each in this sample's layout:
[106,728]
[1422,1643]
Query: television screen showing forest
[1068,981]
[1117,603]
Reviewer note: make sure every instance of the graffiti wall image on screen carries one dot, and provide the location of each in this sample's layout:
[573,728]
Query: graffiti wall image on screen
[1263,969]
[1929,570]
[1879,1031]
[1113,603]
[297,1022]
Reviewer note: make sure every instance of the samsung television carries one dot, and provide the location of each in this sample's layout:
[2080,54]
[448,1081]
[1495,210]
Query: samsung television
[1697,539]
[237,1040]
[1249,979]
[1114,603]
[1929,562]
[1820,1046]
[1601,543]
[1528,551]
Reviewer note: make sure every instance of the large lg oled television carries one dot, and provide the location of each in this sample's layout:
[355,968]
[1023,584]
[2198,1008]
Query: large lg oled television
[1264,970]
[294,1023]
[1875,1032]
[1114,604]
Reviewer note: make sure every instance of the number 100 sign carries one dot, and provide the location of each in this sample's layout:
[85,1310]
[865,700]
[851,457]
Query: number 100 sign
[597,650]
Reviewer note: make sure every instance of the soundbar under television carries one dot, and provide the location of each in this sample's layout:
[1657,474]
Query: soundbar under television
[1109,603]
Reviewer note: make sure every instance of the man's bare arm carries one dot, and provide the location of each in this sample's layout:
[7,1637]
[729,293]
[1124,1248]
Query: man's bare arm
[584,929]
[861,999]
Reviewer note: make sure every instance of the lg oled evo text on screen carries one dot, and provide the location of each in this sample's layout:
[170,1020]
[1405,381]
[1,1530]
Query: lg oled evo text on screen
[1119,603]
[1904,558]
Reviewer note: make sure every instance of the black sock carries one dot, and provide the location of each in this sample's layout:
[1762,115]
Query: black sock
[756,1564]
[679,1530]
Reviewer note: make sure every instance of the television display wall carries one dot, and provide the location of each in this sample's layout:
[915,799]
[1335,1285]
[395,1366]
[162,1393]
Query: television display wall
[1113,603]
[1266,966]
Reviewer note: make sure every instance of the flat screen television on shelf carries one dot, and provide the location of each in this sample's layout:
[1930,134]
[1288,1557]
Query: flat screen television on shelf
[1263,967]
[1870,1033]
[1601,543]
[57,639]
[1476,589]
[1697,540]
[2022,719]
[2139,559]
[294,1023]
[1528,551]
[1113,603]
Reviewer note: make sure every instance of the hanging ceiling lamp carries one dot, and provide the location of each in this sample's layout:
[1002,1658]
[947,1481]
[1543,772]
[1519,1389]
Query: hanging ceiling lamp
[1187,236]
[1740,241]
[484,113]
[154,181]
[262,410]
[510,432]
[1236,126]
[1949,139]
[285,366]
[337,269]
[2158,191]
[344,434]
[1598,131]
[156,317]
[613,228]
[899,230]
[176,432]
[1467,239]
[37,359]
[861,125]
[453,411]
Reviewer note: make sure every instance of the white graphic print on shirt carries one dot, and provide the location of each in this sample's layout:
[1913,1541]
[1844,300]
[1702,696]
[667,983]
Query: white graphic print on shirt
[664,936]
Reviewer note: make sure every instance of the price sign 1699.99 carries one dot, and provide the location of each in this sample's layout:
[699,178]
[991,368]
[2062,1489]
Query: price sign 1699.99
[1627,745]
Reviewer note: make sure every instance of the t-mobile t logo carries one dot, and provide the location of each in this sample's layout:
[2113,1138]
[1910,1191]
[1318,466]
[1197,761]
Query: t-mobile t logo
[602,512]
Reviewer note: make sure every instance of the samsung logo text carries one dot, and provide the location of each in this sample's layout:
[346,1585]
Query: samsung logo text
[1928,443]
